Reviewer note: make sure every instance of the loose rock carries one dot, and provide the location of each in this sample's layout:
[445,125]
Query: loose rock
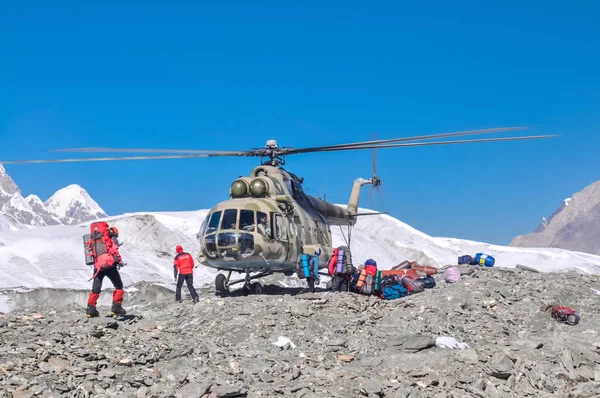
[339,345]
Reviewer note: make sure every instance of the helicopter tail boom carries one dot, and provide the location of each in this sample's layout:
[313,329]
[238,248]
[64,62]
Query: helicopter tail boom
[355,194]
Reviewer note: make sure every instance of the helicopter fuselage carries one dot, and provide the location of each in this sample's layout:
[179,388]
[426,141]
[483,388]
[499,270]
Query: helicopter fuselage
[268,223]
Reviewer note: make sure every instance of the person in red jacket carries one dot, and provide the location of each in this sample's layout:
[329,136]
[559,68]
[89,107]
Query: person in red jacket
[106,264]
[184,266]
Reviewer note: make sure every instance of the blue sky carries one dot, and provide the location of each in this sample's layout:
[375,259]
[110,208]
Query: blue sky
[229,75]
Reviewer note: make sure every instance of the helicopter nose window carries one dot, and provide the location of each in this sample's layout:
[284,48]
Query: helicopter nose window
[226,239]
[214,222]
[229,219]
[247,220]
[211,245]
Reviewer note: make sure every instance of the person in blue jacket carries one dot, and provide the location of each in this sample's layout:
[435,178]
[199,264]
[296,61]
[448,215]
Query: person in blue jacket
[313,263]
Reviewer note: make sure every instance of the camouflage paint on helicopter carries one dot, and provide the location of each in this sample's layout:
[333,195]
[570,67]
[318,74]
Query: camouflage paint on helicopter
[233,238]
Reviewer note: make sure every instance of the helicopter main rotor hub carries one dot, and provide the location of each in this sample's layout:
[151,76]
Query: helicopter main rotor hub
[272,153]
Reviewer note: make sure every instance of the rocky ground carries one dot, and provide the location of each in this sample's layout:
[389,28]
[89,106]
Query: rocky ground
[340,345]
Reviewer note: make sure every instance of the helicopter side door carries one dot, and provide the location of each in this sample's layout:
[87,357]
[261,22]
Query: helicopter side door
[280,233]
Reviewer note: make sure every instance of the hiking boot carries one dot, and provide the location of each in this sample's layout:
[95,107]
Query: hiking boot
[196,300]
[117,309]
[91,312]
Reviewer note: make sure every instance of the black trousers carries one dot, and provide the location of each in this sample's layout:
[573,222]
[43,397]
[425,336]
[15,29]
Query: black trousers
[189,280]
[339,284]
[311,284]
[112,274]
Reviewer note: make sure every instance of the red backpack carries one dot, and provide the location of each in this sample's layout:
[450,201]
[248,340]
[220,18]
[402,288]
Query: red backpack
[98,243]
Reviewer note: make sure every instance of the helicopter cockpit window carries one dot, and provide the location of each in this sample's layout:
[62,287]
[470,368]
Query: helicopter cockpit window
[214,222]
[229,219]
[247,220]
[263,226]
[297,192]
[288,185]
[202,229]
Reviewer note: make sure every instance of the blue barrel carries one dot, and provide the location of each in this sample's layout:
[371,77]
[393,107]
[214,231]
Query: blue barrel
[305,267]
[484,259]
[340,262]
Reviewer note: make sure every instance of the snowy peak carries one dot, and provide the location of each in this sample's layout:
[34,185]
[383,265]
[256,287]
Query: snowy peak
[13,207]
[73,205]
[38,207]
[68,206]
[34,200]
[7,185]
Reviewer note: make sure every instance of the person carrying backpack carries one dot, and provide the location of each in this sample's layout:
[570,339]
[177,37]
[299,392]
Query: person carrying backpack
[366,279]
[183,264]
[341,269]
[107,261]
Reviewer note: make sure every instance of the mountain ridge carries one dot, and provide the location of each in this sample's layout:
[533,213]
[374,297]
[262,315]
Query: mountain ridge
[574,225]
[69,205]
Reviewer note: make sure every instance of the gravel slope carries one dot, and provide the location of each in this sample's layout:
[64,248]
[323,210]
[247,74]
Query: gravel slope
[342,344]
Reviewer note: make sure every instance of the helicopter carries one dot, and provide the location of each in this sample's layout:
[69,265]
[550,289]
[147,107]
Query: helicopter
[269,220]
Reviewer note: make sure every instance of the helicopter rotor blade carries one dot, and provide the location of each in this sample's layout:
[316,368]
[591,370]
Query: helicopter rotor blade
[273,152]
[155,150]
[369,144]
[398,145]
[192,156]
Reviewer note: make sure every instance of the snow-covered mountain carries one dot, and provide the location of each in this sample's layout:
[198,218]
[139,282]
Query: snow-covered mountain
[68,206]
[574,225]
[73,205]
[53,256]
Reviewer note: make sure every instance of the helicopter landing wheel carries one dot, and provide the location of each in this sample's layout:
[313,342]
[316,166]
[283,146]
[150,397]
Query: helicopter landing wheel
[221,284]
[257,288]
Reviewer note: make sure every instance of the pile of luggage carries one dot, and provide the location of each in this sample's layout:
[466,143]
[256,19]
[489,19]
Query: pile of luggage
[479,259]
[402,280]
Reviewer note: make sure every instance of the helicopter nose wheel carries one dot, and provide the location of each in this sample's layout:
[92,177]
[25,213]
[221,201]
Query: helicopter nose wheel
[223,283]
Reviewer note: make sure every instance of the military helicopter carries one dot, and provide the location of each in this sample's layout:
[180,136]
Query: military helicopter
[269,220]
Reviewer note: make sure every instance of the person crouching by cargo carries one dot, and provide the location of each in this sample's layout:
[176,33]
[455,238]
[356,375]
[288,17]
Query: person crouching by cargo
[183,264]
[366,278]
[107,261]
[356,276]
